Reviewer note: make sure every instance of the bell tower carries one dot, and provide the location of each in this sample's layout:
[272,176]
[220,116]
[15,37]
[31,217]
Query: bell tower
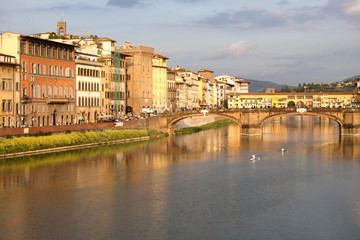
[61,26]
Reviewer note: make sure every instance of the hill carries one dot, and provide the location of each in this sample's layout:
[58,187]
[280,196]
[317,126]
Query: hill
[260,86]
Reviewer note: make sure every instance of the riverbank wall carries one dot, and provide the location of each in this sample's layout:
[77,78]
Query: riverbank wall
[69,128]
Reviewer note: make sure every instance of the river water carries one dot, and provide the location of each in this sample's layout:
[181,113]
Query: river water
[197,186]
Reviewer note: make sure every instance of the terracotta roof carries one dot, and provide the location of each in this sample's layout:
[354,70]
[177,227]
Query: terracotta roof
[103,39]
[2,54]
[160,56]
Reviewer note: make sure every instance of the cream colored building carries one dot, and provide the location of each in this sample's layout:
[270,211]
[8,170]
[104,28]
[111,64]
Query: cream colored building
[10,91]
[159,70]
[171,91]
[88,88]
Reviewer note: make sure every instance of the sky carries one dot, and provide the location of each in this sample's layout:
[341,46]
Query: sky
[282,41]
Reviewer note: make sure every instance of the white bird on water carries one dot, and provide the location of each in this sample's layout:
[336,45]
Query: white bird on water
[253,158]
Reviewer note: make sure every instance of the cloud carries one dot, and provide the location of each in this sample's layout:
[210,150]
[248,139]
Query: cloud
[307,17]
[352,8]
[347,8]
[252,18]
[126,3]
[235,50]
[283,2]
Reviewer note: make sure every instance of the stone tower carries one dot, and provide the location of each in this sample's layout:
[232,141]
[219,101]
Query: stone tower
[61,27]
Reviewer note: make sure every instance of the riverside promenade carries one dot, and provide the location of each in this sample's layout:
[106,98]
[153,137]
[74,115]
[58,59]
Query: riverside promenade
[134,124]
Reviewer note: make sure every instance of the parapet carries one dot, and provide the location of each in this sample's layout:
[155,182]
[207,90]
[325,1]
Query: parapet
[131,48]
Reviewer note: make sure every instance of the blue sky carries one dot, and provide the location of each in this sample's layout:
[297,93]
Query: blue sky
[284,41]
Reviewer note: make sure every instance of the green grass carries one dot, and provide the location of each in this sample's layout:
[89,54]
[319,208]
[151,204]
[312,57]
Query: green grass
[24,144]
[216,124]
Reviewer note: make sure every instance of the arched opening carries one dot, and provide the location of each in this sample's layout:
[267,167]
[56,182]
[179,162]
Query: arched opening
[291,104]
[305,121]
[300,104]
[95,116]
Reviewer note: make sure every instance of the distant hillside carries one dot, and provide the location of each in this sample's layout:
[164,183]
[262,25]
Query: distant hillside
[261,86]
[351,79]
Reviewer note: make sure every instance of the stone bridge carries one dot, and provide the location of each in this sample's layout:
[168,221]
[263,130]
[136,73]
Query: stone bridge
[251,121]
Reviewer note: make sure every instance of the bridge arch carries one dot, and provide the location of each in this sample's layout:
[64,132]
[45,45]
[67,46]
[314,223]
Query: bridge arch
[173,121]
[334,118]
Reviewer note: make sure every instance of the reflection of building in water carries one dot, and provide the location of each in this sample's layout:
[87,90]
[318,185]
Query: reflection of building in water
[348,148]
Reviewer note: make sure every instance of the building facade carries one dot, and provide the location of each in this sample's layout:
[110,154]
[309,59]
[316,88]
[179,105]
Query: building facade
[10,91]
[139,90]
[282,100]
[160,98]
[47,79]
[171,91]
[88,91]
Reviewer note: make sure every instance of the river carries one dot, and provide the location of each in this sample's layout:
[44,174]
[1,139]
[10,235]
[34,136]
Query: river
[196,186]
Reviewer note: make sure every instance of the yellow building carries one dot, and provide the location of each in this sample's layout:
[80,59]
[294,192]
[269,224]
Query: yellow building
[282,100]
[160,83]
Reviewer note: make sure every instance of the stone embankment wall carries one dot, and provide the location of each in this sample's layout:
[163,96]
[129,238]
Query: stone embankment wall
[196,121]
[73,128]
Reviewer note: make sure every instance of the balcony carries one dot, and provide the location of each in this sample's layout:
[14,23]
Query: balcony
[59,100]
[26,99]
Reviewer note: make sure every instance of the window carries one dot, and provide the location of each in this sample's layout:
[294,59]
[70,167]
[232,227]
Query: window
[66,92]
[44,91]
[50,91]
[59,52]
[3,105]
[38,91]
[65,53]
[37,49]
[24,67]
[48,51]
[31,48]
[71,92]
[54,52]
[70,54]
[43,49]
[24,92]
[22,46]
[55,92]
[61,92]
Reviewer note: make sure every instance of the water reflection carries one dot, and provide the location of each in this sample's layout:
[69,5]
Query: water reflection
[198,186]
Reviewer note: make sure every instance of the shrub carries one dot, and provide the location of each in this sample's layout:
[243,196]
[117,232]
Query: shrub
[24,144]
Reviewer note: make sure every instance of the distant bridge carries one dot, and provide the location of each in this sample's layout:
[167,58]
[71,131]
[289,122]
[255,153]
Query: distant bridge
[251,121]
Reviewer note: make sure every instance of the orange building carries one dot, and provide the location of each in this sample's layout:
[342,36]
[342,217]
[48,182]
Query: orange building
[47,79]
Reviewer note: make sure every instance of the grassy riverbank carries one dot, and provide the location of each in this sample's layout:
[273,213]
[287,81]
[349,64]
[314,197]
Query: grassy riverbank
[216,124]
[24,144]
